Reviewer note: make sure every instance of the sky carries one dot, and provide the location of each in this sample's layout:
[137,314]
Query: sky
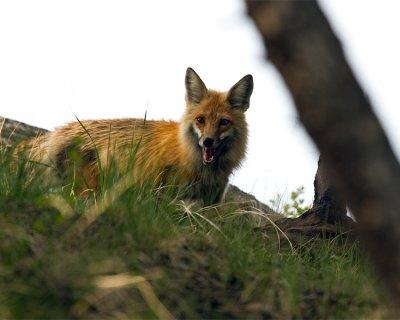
[111,59]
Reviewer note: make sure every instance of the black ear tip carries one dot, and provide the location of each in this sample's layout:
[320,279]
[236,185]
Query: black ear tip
[189,75]
[249,77]
[190,70]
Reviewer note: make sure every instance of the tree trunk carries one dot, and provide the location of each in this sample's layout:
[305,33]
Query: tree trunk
[328,203]
[339,118]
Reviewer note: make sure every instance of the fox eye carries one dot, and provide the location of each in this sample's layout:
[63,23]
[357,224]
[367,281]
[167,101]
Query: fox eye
[200,120]
[224,122]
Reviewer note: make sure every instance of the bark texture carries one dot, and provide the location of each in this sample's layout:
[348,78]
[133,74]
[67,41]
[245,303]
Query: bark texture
[339,118]
[328,204]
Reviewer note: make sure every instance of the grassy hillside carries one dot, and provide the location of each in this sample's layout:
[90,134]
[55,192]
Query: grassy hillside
[129,252]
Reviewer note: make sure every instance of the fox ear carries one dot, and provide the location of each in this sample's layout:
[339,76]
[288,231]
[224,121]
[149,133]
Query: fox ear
[195,87]
[239,94]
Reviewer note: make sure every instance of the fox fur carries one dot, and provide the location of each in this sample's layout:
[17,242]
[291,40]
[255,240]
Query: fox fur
[198,153]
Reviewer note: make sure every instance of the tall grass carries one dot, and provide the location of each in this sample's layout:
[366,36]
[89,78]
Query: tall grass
[131,251]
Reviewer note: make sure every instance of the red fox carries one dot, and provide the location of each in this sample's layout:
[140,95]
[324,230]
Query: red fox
[198,153]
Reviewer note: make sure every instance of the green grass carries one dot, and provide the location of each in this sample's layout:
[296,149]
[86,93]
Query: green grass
[143,256]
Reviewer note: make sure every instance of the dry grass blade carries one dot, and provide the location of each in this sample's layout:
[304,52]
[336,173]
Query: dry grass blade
[276,227]
[121,280]
[208,221]
[2,125]
[187,210]
[153,302]
[58,202]
[144,287]
[12,133]
[196,213]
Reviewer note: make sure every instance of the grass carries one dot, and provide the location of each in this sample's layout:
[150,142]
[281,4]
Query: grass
[142,255]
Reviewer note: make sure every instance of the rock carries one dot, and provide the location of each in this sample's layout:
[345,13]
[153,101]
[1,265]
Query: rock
[12,131]
[234,194]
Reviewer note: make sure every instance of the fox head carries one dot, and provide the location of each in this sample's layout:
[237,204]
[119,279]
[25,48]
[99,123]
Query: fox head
[215,120]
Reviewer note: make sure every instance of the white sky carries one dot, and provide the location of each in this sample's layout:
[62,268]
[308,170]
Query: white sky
[110,59]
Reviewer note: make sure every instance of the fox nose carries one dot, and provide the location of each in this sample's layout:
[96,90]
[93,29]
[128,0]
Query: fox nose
[208,142]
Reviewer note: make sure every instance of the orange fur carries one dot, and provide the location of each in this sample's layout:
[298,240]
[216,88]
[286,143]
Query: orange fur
[168,150]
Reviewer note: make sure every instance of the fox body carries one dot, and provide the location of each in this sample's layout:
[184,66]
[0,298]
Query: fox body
[198,154]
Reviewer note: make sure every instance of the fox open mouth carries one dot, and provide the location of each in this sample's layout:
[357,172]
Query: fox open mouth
[208,155]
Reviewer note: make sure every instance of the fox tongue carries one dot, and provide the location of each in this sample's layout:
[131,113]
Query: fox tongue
[208,155]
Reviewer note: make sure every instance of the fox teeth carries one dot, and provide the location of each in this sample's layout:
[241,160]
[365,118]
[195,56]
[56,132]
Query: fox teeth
[208,155]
